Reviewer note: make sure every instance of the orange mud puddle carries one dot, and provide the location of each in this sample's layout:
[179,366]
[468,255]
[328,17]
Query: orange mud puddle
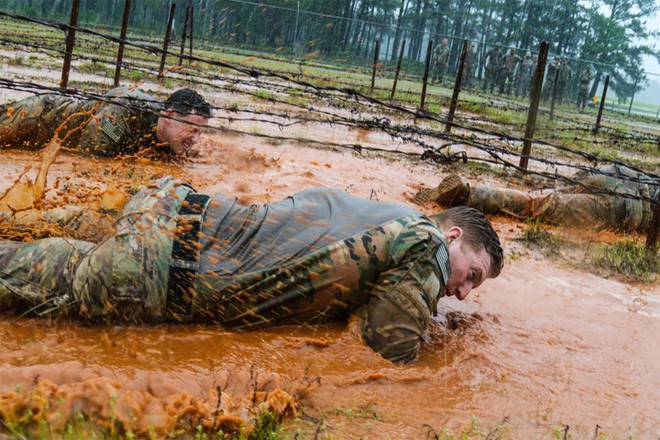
[538,348]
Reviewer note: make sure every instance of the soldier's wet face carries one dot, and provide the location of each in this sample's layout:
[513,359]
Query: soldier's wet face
[469,267]
[181,133]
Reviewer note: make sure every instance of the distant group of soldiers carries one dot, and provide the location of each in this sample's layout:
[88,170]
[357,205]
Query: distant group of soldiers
[509,73]
[441,63]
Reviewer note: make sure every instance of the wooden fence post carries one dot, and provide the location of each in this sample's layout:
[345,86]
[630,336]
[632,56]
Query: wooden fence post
[375,65]
[70,41]
[398,68]
[122,37]
[457,87]
[192,33]
[632,98]
[429,48]
[167,41]
[534,105]
[602,104]
[184,35]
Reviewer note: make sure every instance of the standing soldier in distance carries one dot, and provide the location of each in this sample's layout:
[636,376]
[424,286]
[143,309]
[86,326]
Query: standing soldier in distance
[508,68]
[549,82]
[440,61]
[468,68]
[583,91]
[565,75]
[525,75]
[493,66]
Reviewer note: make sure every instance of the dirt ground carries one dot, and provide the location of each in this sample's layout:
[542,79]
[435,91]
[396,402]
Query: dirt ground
[545,346]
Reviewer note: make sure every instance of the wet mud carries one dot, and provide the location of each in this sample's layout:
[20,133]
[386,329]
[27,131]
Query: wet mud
[537,349]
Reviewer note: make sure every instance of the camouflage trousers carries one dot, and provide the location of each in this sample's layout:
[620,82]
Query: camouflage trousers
[506,81]
[31,123]
[583,95]
[123,278]
[570,208]
[491,79]
[439,71]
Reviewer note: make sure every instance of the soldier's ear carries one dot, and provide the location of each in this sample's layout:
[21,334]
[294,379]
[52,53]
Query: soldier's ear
[453,233]
[166,117]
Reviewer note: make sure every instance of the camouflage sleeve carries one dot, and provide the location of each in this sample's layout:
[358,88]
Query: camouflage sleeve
[78,222]
[406,295]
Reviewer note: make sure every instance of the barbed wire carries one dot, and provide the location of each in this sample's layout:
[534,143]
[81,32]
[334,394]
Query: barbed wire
[406,133]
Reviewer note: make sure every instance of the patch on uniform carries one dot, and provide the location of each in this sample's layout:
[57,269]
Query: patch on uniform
[442,258]
[110,130]
[431,288]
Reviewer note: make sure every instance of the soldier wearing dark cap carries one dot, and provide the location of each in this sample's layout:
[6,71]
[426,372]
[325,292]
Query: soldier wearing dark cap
[123,121]
[317,256]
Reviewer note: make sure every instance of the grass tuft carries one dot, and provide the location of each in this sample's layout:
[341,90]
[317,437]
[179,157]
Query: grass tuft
[629,257]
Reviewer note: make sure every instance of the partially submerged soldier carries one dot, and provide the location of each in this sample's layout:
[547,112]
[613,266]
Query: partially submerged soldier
[613,197]
[315,257]
[123,121]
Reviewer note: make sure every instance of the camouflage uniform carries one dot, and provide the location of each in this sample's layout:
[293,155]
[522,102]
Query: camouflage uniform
[525,77]
[318,256]
[577,207]
[123,126]
[583,91]
[509,62]
[549,83]
[468,68]
[565,75]
[440,62]
[493,68]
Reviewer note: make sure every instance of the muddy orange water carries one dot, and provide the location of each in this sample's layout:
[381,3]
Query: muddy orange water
[537,349]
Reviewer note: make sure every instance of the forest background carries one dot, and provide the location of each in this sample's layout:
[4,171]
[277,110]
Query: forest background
[617,37]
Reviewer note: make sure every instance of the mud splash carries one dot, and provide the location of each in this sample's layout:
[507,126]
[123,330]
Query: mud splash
[539,348]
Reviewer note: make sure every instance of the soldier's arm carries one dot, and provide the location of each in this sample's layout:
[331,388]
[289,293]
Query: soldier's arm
[405,297]
[106,131]
[78,222]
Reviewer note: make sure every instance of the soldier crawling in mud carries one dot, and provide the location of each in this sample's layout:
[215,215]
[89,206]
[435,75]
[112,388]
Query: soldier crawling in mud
[317,256]
[123,121]
[582,205]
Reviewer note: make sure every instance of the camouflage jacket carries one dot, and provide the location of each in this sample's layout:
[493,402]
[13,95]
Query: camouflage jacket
[441,55]
[317,256]
[495,60]
[123,121]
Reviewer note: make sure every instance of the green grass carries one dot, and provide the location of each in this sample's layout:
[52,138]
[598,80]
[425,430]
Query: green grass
[537,237]
[629,257]
[474,430]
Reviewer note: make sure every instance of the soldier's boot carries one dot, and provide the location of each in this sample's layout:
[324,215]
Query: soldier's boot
[452,191]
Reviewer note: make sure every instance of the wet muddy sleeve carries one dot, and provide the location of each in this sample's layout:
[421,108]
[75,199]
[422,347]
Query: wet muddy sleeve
[106,131]
[403,300]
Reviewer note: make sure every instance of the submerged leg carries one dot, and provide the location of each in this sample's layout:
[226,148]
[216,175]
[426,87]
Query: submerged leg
[38,276]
